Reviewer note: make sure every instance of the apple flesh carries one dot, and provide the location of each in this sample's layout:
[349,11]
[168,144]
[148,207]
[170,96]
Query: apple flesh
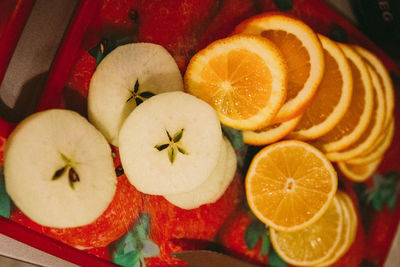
[59,169]
[126,77]
[170,144]
[215,185]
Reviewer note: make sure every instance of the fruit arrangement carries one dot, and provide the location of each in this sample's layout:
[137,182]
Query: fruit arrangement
[305,120]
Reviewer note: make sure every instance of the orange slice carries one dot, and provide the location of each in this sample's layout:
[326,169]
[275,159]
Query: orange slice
[359,172]
[289,185]
[301,49]
[271,133]
[332,98]
[349,228]
[378,149]
[384,77]
[314,244]
[374,129]
[242,77]
[359,113]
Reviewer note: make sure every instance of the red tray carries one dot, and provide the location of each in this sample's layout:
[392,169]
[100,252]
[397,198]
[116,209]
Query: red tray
[69,77]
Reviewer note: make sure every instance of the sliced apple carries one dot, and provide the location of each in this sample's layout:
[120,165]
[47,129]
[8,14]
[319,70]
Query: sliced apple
[126,77]
[58,169]
[170,144]
[214,186]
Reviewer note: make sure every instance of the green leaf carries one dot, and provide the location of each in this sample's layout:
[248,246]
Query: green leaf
[378,180]
[284,5]
[150,249]
[171,154]
[146,94]
[274,260]
[236,139]
[161,147]
[338,34]
[392,175]
[178,136]
[377,201]
[127,260]
[4,198]
[265,243]
[106,45]
[253,234]
[136,88]
[392,202]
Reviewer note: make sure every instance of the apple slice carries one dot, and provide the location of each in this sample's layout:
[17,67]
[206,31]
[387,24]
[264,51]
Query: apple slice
[215,185]
[126,77]
[59,169]
[170,144]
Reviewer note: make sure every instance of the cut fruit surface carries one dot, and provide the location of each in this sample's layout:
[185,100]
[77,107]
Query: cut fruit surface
[242,77]
[349,229]
[270,133]
[126,77]
[359,113]
[384,78]
[332,99]
[59,170]
[374,129]
[214,186]
[359,172]
[170,144]
[314,244]
[378,149]
[289,185]
[303,53]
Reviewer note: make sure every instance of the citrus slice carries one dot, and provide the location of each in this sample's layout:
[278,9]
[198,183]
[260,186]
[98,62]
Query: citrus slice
[242,77]
[332,98]
[378,149]
[374,129]
[302,51]
[314,244]
[357,117]
[359,172]
[349,228]
[353,218]
[270,134]
[384,77]
[289,185]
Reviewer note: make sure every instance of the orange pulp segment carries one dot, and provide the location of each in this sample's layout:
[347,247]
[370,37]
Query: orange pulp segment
[289,185]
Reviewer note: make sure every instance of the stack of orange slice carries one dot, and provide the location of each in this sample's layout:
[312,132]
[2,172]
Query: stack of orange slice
[274,78]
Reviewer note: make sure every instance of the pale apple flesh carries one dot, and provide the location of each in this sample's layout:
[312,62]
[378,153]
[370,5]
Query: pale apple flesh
[214,186]
[156,165]
[127,76]
[59,169]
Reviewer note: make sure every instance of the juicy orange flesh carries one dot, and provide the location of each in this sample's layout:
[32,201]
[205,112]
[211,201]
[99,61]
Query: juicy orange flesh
[351,118]
[297,57]
[236,83]
[290,185]
[326,97]
[270,127]
[370,127]
[358,169]
[314,241]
